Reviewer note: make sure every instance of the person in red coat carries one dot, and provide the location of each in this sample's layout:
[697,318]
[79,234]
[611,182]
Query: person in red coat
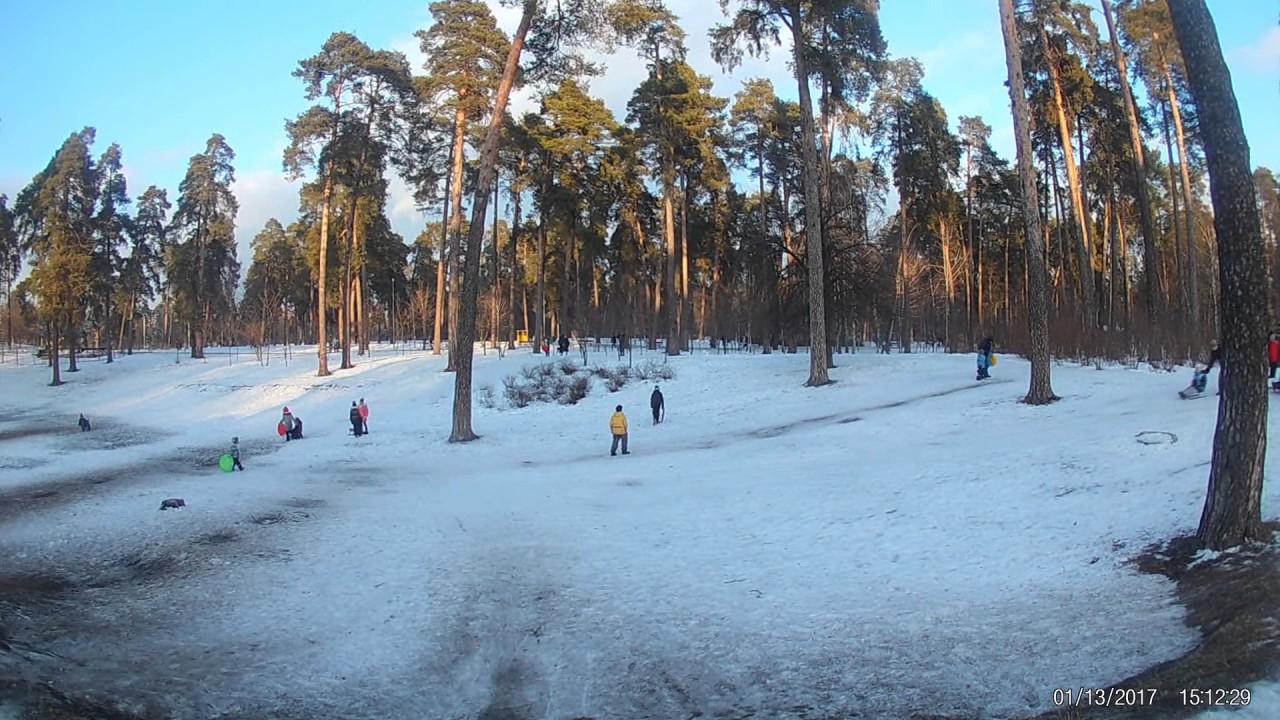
[1273,354]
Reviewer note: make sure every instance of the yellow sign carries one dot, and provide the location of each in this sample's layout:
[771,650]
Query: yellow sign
[522,336]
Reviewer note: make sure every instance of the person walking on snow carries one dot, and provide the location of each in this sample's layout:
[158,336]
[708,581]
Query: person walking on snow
[84,421]
[235,453]
[984,357]
[296,433]
[286,419]
[357,423]
[656,404]
[618,426]
[364,416]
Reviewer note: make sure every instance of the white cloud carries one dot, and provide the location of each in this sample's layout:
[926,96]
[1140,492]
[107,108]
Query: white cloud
[263,194]
[1263,55]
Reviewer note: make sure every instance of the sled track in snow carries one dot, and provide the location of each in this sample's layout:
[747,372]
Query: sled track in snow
[42,495]
[773,431]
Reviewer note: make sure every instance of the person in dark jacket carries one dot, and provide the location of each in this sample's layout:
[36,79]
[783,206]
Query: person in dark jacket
[235,453]
[984,356]
[84,423]
[357,422]
[1215,358]
[655,402]
[296,433]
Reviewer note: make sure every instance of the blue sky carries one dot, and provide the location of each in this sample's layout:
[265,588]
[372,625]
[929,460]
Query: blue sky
[158,78]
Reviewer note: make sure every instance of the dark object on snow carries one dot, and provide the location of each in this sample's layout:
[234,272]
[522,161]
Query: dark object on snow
[296,433]
[357,422]
[563,345]
[84,423]
[984,357]
[656,404]
[172,504]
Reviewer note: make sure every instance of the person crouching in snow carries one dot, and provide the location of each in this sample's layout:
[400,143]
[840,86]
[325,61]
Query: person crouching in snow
[618,426]
[364,416]
[357,423]
[984,357]
[235,453]
[286,419]
[656,404]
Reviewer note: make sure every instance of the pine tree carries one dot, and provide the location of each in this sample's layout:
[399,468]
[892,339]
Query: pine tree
[465,52]
[1041,390]
[140,271]
[109,223]
[10,262]
[1233,509]
[203,268]
[55,219]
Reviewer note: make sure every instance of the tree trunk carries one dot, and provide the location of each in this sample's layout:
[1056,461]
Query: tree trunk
[1041,391]
[437,341]
[455,228]
[540,305]
[1192,244]
[1151,258]
[1087,291]
[462,431]
[669,233]
[686,303]
[812,213]
[511,284]
[322,305]
[53,358]
[1233,508]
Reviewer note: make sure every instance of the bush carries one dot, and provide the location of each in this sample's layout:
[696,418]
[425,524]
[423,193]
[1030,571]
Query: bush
[653,370]
[518,395]
[486,398]
[559,382]
[576,389]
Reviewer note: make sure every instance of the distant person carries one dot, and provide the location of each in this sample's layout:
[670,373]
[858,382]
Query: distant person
[84,423]
[984,357]
[564,345]
[235,454]
[656,404]
[618,427]
[296,433]
[286,419]
[357,423]
[364,416]
[1215,358]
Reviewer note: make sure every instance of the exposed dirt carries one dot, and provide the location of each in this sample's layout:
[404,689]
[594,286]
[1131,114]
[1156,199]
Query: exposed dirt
[26,499]
[1232,601]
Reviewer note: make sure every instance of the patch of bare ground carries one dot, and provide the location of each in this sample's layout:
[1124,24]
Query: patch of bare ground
[1231,600]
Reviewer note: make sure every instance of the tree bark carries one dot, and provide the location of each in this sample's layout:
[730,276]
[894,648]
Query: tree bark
[812,213]
[1233,507]
[1150,256]
[1193,271]
[462,431]
[455,227]
[1041,391]
[1088,293]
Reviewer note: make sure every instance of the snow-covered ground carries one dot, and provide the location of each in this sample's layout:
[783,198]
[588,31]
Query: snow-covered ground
[905,540]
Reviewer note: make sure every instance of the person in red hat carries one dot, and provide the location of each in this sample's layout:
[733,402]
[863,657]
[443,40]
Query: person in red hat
[286,420]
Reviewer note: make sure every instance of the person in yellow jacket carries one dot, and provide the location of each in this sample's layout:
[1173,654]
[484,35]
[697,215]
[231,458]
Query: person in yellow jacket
[618,426]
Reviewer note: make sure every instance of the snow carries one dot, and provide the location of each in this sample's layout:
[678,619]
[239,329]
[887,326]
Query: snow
[905,540]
